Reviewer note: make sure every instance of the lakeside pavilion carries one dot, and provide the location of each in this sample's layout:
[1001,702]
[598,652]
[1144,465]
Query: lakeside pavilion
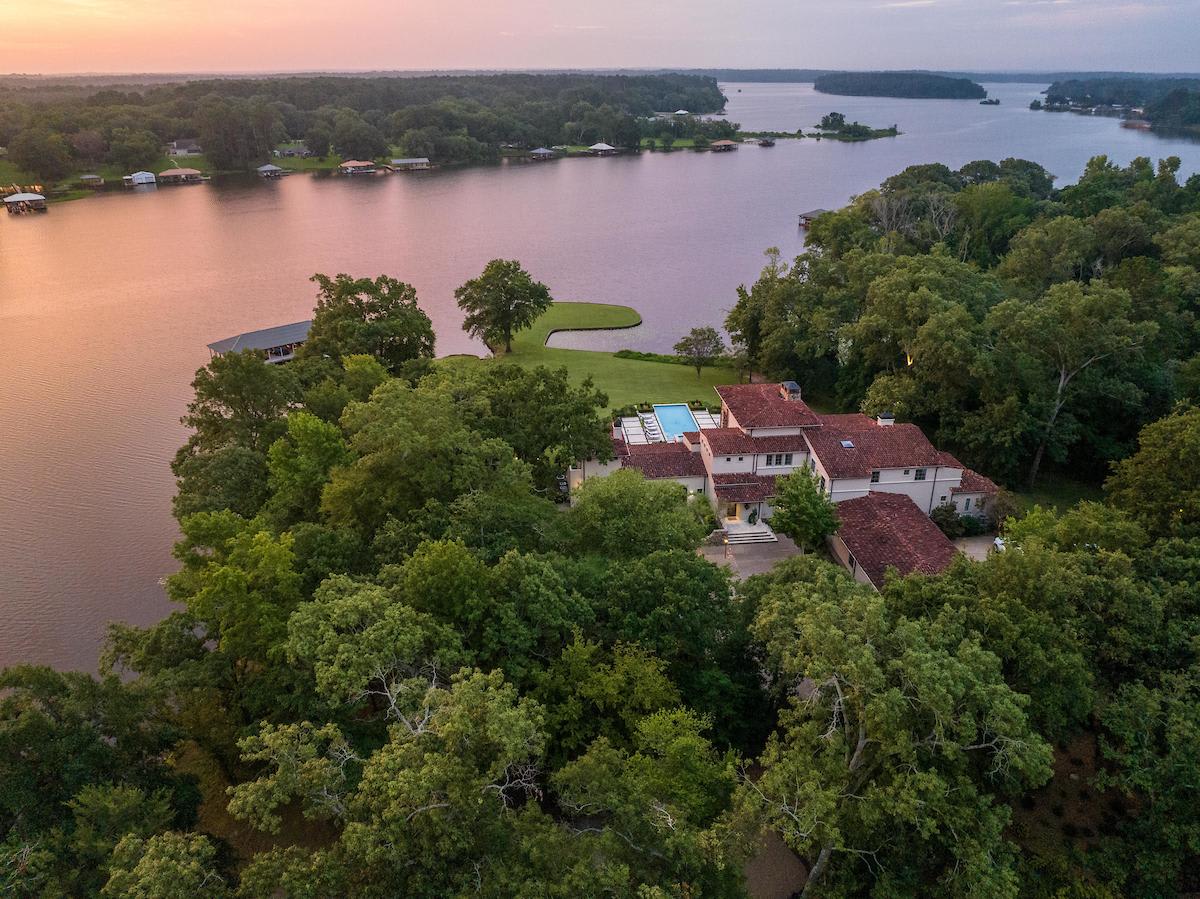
[279,343]
[20,203]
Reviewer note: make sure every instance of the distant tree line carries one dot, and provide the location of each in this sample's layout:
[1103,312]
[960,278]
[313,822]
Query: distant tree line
[239,121]
[899,84]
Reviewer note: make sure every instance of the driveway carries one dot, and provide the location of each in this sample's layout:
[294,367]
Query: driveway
[747,559]
[976,548]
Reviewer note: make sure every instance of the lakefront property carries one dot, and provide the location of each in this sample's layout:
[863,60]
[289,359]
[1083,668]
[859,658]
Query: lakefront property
[765,431]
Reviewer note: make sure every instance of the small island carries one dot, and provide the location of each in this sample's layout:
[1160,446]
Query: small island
[835,127]
[909,85]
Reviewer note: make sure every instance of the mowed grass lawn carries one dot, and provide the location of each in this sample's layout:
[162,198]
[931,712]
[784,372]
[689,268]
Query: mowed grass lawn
[626,381]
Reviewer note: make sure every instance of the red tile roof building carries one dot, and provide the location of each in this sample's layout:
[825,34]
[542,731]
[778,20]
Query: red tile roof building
[755,406]
[852,446]
[880,531]
[664,460]
[767,431]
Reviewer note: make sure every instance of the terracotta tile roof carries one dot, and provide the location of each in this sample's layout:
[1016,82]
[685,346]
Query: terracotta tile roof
[974,482]
[724,441]
[871,446]
[849,421]
[744,488]
[783,444]
[761,406]
[727,441]
[663,460]
[888,530]
[657,449]
[691,436]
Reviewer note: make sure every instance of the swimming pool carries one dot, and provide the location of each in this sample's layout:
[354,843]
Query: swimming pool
[674,419]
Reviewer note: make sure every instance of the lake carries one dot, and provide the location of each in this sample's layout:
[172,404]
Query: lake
[106,304]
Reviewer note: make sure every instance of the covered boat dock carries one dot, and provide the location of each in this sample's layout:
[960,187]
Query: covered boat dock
[20,203]
[807,218]
[279,343]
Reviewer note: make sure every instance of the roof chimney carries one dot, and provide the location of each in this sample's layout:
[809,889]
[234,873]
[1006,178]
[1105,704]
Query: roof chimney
[885,419]
[789,390]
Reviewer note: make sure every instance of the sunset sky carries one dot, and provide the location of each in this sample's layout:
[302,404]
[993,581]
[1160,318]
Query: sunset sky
[290,35]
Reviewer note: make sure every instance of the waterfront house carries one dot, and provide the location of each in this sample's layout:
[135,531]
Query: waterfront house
[184,146]
[181,176]
[92,182]
[602,149]
[357,167]
[279,343]
[765,431]
[541,154]
[723,146]
[270,171]
[412,164]
[138,179]
[20,203]
[807,218]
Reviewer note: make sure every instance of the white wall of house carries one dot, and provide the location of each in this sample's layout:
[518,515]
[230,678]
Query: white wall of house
[738,463]
[971,503]
[842,489]
[927,493]
[591,469]
[695,484]
[775,432]
[761,466]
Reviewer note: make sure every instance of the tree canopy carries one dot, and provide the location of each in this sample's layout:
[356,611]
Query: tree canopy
[395,665]
[501,301]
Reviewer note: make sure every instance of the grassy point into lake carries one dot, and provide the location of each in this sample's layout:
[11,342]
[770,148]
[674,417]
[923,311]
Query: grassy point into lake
[626,381]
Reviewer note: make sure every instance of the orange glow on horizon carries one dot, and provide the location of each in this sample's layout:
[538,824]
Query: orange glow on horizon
[196,36]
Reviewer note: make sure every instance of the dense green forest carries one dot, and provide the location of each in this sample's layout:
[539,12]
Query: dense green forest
[397,667]
[1015,323]
[53,131]
[1168,103]
[899,84]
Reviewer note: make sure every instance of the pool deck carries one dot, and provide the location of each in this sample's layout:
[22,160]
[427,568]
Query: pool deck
[646,427]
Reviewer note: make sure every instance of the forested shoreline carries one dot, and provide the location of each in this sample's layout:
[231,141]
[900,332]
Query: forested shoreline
[1168,104]
[56,131]
[398,667]
[1014,322]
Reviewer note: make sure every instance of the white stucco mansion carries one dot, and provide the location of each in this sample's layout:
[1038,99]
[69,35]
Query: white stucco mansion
[765,431]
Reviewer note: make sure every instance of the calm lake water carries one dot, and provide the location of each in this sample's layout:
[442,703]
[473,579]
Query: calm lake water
[106,304]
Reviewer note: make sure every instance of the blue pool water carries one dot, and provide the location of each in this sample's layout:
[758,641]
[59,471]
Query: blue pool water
[674,420]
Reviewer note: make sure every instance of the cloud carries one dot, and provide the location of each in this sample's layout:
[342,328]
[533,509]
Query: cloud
[907,4]
[580,27]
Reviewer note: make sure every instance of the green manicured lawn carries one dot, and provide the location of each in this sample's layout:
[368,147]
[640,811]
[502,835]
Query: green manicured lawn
[625,381]
[309,164]
[10,174]
[681,143]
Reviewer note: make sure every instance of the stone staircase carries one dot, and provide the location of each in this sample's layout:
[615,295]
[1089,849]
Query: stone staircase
[741,535]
